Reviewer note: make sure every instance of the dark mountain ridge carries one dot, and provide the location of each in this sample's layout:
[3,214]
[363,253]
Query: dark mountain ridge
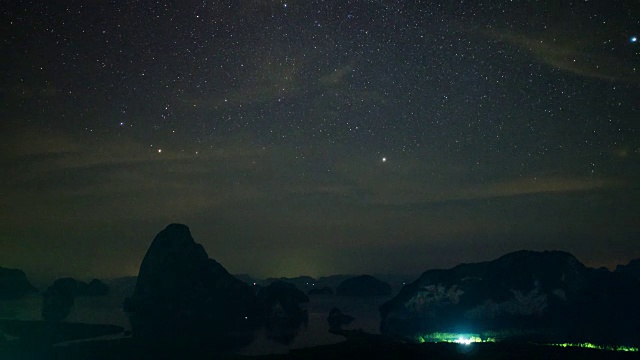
[547,295]
[14,284]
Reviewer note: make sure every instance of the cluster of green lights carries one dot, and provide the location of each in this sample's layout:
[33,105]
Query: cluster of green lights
[599,347]
[466,339]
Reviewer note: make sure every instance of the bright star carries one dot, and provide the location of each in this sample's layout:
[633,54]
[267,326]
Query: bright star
[634,39]
[384,159]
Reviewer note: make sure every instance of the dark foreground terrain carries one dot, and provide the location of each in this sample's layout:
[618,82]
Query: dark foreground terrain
[185,305]
[357,346]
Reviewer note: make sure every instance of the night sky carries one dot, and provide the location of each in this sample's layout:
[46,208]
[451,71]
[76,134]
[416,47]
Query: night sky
[318,137]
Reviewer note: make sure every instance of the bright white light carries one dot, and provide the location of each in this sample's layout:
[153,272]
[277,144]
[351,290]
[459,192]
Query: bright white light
[159,151]
[463,341]
[634,39]
[384,159]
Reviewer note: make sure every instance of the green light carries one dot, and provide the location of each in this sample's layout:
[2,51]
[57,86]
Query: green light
[598,347]
[465,339]
[468,339]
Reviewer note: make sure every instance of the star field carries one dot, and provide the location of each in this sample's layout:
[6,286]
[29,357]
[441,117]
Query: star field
[329,131]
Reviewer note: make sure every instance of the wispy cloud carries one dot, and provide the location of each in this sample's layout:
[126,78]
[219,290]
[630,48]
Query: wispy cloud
[57,177]
[570,53]
[66,177]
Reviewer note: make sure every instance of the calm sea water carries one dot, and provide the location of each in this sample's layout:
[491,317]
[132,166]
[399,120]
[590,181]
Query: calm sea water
[365,311]
[108,310]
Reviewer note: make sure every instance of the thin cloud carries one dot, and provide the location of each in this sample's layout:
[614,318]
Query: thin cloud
[568,54]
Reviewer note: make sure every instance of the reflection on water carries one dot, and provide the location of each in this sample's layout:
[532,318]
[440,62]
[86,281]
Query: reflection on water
[365,310]
[87,309]
[108,310]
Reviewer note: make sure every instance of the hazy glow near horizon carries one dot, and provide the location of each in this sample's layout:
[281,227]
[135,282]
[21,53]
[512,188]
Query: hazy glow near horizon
[318,137]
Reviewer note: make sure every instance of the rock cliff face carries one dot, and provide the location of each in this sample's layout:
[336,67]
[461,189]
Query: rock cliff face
[59,298]
[180,291]
[548,295]
[337,319]
[364,285]
[283,315]
[282,299]
[14,284]
[326,290]
[94,288]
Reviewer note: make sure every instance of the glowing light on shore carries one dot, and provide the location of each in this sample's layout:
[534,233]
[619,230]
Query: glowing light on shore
[464,339]
[598,347]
